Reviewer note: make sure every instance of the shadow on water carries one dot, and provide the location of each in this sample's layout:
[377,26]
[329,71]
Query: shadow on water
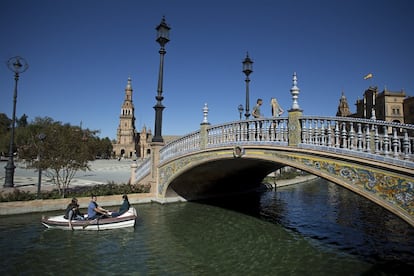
[332,217]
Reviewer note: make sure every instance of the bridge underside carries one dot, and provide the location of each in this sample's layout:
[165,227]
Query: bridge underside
[221,177]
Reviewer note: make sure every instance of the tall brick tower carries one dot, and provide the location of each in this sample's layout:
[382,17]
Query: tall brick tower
[126,138]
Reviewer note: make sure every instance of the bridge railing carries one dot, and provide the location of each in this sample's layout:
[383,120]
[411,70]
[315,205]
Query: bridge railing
[363,137]
[183,145]
[373,139]
[248,131]
[261,131]
[273,130]
[143,169]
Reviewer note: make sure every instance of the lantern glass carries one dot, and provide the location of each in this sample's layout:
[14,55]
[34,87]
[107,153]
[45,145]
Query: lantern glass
[163,32]
[247,65]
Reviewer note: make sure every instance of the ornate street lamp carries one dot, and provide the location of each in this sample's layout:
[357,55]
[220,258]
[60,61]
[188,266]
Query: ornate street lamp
[247,69]
[241,109]
[17,65]
[162,38]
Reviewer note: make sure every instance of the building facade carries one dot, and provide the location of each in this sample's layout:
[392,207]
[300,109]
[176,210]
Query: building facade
[409,110]
[390,106]
[130,143]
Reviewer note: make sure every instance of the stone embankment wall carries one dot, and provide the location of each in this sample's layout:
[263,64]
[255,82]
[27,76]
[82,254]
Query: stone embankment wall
[35,206]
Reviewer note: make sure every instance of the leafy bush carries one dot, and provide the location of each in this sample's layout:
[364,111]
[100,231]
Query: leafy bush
[17,195]
[81,191]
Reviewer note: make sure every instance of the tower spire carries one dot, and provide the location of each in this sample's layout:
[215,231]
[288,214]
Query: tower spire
[129,83]
[128,91]
[343,107]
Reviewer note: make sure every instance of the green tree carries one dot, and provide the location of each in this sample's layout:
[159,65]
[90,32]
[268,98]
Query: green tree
[5,125]
[104,148]
[64,150]
[22,122]
[20,132]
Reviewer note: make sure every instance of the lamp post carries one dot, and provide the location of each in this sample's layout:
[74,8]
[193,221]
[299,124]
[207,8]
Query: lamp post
[162,38]
[247,69]
[17,65]
[41,137]
[240,108]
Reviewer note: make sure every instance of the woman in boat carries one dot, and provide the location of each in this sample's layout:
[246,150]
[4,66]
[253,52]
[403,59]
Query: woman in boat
[72,211]
[124,207]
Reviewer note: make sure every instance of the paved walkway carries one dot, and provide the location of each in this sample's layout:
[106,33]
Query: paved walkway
[102,172]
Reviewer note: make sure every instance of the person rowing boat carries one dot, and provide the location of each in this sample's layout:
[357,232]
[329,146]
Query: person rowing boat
[95,211]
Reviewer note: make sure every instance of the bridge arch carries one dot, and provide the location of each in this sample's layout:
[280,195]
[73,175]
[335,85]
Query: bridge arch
[222,170]
[370,157]
[214,173]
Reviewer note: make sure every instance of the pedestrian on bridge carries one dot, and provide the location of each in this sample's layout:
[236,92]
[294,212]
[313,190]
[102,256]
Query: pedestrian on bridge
[276,109]
[276,112]
[257,115]
[256,110]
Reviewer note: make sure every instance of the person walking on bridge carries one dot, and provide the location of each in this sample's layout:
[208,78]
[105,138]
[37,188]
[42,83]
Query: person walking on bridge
[276,109]
[257,115]
[256,110]
[276,112]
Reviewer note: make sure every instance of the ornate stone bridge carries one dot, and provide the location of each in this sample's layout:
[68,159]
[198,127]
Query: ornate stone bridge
[372,158]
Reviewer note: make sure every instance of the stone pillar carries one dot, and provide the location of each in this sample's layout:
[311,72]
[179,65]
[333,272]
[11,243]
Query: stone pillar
[134,167]
[155,161]
[203,135]
[203,128]
[294,127]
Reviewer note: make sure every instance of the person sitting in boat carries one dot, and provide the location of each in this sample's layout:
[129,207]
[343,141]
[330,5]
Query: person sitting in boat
[95,211]
[72,211]
[124,207]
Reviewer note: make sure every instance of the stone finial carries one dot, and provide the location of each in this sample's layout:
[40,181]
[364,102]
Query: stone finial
[205,114]
[295,92]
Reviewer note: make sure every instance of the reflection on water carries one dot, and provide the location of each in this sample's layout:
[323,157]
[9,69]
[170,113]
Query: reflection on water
[315,228]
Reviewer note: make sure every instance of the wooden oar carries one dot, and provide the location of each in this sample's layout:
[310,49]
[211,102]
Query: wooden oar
[89,222]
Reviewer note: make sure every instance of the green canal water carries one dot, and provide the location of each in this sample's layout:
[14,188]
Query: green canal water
[315,228]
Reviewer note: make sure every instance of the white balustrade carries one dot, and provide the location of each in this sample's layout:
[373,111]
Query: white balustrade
[386,139]
[142,169]
[361,137]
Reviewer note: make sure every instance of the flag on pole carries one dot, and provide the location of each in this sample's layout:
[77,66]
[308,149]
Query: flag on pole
[368,76]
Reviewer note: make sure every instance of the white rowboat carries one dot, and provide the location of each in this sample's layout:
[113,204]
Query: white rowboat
[125,220]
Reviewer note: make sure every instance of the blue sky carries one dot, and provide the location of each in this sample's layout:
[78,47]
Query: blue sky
[81,53]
